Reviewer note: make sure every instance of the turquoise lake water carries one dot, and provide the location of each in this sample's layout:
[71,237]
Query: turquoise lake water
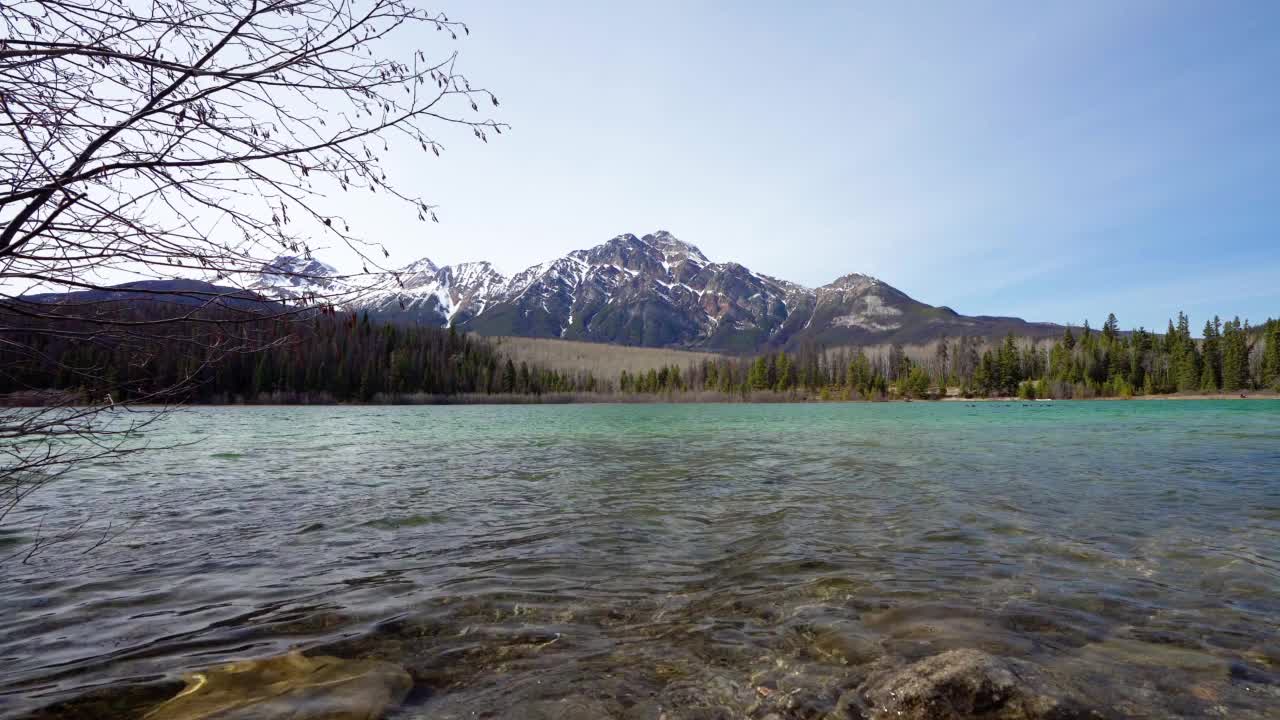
[640,556]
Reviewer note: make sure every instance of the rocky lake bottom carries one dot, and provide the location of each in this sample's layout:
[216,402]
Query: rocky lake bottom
[1005,560]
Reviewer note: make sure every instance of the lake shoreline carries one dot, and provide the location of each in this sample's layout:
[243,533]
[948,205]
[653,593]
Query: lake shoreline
[1261,395]
[700,399]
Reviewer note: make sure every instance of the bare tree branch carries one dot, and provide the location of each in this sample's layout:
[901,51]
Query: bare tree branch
[198,139]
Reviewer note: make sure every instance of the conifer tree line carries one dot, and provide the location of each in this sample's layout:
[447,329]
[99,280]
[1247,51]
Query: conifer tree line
[342,357]
[329,357]
[1230,357]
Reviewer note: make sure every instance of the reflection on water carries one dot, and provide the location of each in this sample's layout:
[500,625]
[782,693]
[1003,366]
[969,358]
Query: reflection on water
[672,561]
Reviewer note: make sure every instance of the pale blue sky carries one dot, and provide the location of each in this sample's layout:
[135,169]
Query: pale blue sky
[1053,161]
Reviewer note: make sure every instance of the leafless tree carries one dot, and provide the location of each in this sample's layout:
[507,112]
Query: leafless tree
[159,138]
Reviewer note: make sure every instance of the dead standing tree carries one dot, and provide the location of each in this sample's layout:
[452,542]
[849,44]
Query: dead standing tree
[154,138]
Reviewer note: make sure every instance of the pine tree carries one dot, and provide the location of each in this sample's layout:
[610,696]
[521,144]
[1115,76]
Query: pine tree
[758,377]
[1009,369]
[1235,356]
[342,379]
[898,363]
[860,375]
[1208,381]
[725,373]
[509,377]
[1271,355]
[1184,357]
[262,375]
[784,373]
[1211,357]
[523,384]
[914,383]
[366,383]
[1110,329]
[986,377]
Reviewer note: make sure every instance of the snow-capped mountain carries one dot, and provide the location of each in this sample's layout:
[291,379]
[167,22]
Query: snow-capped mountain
[422,292]
[654,290]
[297,278]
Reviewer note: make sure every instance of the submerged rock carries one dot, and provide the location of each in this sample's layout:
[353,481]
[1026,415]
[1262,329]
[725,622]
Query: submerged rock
[961,684]
[108,703]
[1164,656]
[291,686]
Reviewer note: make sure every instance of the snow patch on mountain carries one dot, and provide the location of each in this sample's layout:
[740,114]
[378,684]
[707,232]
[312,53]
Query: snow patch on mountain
[297,277]
[652,290]
[871,314]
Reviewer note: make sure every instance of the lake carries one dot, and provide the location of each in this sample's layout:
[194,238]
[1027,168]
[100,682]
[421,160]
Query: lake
[647,561]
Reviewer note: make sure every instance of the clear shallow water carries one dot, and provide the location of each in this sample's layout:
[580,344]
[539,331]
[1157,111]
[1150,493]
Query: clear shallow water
[624,561]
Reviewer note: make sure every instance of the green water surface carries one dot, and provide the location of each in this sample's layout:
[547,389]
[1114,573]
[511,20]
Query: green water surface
[634,560]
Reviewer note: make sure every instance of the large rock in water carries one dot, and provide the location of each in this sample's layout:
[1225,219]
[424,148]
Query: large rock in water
[292,687]
[964,684]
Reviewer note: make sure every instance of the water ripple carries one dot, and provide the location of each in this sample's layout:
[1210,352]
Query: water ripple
[518,556]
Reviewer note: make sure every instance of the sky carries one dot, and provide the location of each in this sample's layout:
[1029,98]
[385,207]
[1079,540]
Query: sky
[1054,161]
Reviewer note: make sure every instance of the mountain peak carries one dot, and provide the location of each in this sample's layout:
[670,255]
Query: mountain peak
[655,290]
[298,265]
[287,277]
[671,245]
[852,281]
[422,265]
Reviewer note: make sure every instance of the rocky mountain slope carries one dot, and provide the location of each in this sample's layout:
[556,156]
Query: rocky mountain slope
[653,291]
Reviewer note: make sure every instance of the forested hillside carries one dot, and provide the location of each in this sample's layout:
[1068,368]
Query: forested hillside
[1083,363]
[329,357]
[342,357]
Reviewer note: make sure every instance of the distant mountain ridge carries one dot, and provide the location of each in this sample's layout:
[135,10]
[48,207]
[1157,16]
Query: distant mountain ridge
[178,291]
[653,291]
